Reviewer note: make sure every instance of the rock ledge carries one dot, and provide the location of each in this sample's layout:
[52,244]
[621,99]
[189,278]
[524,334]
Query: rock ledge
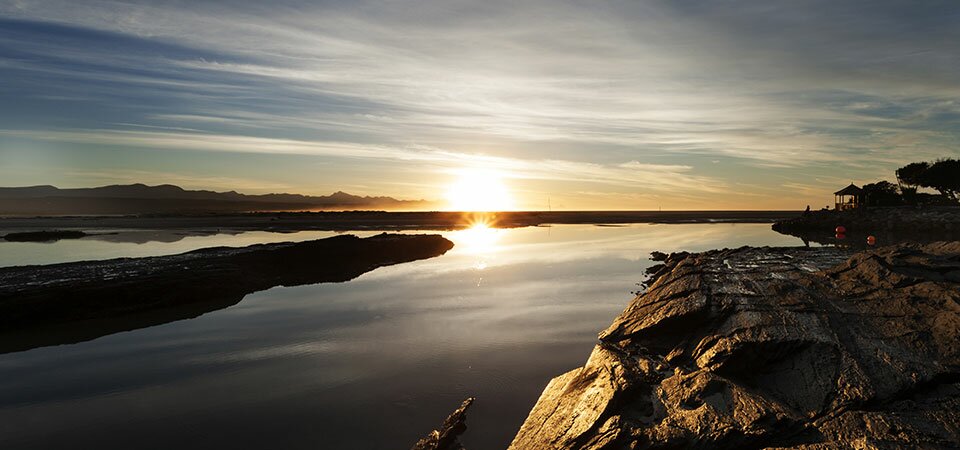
[772,348]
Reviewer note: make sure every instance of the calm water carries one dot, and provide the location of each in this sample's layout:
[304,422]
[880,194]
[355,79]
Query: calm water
[373,363]
[106,244]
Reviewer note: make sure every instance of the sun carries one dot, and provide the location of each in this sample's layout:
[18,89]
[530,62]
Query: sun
[479,190]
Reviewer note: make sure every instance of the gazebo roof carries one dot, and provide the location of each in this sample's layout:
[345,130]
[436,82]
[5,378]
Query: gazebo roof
[849,190]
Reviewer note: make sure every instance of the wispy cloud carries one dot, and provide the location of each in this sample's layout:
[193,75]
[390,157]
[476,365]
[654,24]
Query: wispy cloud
[658,95]
[653,177]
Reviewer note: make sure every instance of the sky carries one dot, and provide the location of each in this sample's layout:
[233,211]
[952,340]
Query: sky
[686,104]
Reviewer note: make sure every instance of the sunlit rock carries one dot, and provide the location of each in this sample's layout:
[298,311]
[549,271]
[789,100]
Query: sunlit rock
[771,348]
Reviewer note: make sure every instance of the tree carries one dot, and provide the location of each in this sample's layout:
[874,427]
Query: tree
[912,173]
[881,193]
[944,176]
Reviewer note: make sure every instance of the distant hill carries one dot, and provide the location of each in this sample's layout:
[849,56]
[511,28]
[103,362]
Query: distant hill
[170,199]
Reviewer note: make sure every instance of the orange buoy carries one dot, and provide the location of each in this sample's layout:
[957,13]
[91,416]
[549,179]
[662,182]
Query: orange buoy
[871,240]
[841,229]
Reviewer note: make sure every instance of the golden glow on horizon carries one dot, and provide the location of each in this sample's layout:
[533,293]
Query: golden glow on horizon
[479,190]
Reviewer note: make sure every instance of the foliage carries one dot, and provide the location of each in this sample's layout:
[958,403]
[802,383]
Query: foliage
[910,174]
[881,193]
[942,176]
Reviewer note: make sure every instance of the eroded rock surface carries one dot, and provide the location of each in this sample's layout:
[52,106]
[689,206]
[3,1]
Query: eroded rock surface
[772,348]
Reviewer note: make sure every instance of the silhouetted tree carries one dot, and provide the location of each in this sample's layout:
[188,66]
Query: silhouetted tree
[909,195]
[911,174]
[944,176]
[881,193]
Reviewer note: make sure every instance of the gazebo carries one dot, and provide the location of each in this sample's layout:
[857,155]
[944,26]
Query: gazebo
[850,197]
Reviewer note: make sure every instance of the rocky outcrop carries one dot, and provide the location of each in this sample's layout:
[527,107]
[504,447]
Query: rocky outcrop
[73,302]
[772,348]
[446,437]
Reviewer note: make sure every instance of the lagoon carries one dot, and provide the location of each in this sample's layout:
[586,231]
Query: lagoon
[373,363]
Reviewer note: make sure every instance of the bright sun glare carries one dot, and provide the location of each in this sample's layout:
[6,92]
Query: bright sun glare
[477,190]
[479,239]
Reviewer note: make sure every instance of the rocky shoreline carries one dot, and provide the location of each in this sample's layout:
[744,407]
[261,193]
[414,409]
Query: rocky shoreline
[73,302]
[803,348]
[912,221]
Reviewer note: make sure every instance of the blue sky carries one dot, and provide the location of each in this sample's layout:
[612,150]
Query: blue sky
[594,105]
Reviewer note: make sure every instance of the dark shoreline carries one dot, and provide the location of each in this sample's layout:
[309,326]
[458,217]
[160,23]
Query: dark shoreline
[874,220]
[888,225]
[385,221]
[44,236]
[74,302]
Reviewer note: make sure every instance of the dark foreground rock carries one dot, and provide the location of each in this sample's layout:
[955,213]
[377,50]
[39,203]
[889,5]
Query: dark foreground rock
[772,348]
[446,437]
[72,302]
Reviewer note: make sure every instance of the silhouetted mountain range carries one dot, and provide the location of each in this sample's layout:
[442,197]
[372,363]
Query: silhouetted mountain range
[170,199]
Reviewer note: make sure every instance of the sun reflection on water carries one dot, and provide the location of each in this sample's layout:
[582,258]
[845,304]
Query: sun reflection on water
[479,239]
